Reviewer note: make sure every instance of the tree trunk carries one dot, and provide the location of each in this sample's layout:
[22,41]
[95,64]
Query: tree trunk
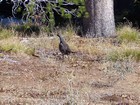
[101,18]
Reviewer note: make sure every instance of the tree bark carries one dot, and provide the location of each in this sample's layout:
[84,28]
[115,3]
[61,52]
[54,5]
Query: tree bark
[101,18]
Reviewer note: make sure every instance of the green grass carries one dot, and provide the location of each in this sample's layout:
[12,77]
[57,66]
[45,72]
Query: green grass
[125,54]
[14,45]
[4,33]
[130,42]
[89,46]
[128,34]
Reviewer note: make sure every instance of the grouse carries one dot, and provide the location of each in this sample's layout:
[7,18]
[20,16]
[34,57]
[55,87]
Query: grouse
[63,46]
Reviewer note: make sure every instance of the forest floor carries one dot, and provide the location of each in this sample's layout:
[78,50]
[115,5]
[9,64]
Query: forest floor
[86,77]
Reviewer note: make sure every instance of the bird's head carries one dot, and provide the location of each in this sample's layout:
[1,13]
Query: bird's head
[58,34]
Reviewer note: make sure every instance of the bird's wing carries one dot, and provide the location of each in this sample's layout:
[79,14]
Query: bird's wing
[62,47]
[68,48]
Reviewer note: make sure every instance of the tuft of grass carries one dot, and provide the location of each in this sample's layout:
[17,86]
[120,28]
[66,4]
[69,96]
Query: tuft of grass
[128,34]
[125,54]
[4,33]
[14,45]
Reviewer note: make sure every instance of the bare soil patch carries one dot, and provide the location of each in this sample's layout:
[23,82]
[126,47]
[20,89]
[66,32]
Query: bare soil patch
[28,80]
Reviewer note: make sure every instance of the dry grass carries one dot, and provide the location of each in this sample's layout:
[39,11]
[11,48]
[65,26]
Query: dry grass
[101,72]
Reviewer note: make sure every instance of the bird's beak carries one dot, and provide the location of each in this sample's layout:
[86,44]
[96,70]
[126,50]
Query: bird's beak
[57,34]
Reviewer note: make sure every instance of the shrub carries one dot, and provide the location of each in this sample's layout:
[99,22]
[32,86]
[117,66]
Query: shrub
[28,29]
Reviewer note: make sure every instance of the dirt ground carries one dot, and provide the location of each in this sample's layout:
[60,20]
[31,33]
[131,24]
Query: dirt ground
[29,80]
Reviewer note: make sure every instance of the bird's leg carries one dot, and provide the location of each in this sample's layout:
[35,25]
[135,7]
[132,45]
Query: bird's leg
[69,57]
[63,57]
